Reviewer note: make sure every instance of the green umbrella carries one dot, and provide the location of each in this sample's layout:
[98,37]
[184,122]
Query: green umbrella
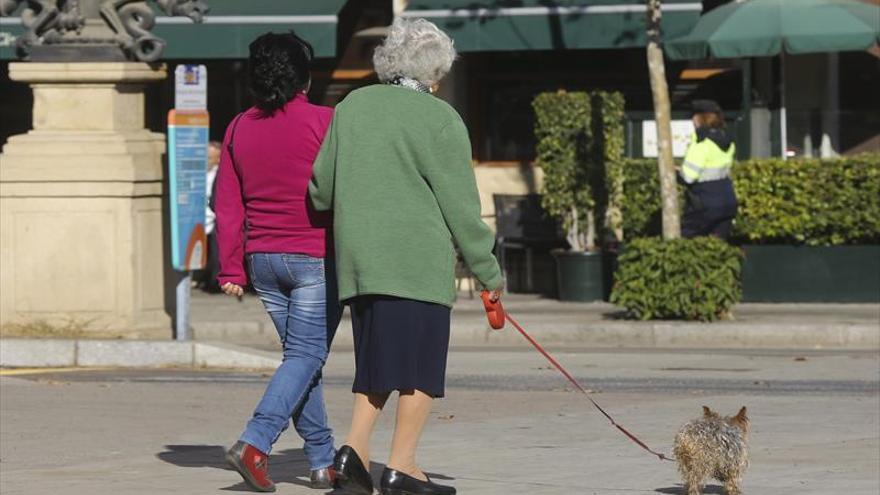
[760,28]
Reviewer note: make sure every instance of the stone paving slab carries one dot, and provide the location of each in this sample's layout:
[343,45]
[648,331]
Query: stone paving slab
[133,353]
[36,353]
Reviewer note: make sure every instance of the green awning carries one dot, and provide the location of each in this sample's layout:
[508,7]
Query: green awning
[229,28]
[759,28]
[491,25]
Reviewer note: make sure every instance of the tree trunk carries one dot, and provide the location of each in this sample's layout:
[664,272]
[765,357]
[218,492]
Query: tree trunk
[574,234]
[614,215]
[660,90]
[590,238]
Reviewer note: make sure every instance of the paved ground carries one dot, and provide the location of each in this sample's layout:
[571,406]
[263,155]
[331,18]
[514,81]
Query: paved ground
[508,426]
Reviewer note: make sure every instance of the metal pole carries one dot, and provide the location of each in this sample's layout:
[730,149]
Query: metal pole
[783,117]
[830,145]
[746,108]
[181,323]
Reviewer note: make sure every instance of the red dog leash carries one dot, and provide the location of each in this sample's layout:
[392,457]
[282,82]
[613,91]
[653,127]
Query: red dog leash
[496,314]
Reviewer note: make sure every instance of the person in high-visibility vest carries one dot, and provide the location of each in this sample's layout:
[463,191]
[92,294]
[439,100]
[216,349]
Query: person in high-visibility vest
[710,205]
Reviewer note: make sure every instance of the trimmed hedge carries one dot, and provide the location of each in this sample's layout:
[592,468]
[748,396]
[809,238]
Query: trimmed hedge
[691,279]
[802,201]
[814,202]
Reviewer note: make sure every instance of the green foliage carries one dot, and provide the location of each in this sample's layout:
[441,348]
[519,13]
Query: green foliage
[804,201]
[641,203]
[580,147]
[691,279]
[810,201]
[609,124]
[563,133]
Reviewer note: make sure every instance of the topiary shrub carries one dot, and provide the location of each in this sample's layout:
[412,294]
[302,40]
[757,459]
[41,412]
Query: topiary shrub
[690,279]
[580,146]
[609,146]
[563,133]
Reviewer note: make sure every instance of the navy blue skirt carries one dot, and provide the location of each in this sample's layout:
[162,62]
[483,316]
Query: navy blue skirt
[399,344]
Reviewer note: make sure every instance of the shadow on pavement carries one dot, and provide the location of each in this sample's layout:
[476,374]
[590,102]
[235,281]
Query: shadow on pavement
[616,315]
[286,466]
[680,490]
[194,456]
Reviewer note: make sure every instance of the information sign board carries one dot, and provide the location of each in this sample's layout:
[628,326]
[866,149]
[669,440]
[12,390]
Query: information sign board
[187,165]
[682,130]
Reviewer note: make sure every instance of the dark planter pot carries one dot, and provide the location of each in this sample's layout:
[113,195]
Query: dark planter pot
[584,277]
[844,274]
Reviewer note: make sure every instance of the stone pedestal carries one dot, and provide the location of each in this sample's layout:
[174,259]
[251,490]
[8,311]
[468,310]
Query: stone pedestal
[81,202]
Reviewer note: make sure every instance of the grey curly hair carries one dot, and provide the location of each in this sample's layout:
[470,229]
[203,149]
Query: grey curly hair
[414,48]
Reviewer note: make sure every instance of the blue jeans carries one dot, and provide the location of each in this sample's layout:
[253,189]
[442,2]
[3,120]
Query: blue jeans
[299,293]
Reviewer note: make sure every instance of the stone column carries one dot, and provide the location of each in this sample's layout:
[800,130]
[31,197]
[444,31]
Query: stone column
[81,202]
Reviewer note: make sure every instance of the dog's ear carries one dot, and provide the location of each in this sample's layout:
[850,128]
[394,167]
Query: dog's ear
[708,412]
[741,420]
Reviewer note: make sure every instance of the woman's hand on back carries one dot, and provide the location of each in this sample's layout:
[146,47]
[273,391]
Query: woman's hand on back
[232,290]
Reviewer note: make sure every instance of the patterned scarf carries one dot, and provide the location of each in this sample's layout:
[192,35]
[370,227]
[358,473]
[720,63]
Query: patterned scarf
[407,82]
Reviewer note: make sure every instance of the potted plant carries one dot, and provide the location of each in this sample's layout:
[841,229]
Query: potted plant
[572,151]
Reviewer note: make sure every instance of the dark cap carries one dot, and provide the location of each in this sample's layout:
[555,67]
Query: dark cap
[705,106]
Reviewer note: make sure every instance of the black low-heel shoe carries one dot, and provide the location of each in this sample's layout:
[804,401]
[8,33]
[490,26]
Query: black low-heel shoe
[351,475]
[396,483]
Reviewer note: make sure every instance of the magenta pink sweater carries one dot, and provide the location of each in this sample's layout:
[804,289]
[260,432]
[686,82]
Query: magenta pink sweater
[262,200]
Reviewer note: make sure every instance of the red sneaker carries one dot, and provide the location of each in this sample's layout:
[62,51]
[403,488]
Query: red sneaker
[252,465]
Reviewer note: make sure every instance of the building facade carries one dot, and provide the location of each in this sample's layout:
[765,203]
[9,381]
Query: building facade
[509,53]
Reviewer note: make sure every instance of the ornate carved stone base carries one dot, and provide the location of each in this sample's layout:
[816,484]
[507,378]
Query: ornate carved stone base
[76,52]
[81,202]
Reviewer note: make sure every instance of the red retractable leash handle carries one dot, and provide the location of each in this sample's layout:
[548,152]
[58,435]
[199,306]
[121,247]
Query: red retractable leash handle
[494,310]
[496,314]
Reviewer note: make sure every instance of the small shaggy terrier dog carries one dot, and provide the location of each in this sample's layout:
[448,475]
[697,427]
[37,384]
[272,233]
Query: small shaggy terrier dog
[713,447]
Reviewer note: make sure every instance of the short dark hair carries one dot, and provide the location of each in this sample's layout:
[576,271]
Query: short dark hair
[278,68]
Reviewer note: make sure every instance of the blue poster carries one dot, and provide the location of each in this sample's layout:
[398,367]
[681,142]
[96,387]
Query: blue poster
[187,166]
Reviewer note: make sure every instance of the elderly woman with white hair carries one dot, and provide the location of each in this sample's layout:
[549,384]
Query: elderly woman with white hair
[396,170]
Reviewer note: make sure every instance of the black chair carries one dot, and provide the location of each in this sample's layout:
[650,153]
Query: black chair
[522,223]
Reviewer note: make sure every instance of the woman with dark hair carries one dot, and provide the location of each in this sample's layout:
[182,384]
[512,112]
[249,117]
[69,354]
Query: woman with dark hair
[710,205]
[264,222]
